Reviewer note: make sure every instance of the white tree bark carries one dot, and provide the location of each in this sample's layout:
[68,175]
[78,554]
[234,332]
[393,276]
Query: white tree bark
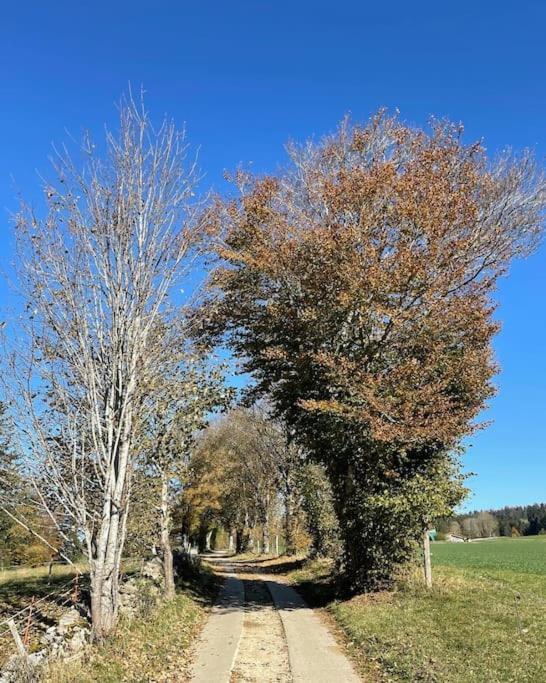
[166,548]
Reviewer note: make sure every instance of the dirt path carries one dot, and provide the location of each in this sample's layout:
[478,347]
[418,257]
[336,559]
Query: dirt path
[261,630]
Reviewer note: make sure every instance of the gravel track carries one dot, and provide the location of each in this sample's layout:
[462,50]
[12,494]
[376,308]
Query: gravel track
[261,631]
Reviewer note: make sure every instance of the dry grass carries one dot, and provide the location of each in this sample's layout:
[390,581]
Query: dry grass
[22,587]
[21,574]
[151,650]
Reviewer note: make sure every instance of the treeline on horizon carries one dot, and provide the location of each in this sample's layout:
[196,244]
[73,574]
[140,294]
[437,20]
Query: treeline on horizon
[511,520]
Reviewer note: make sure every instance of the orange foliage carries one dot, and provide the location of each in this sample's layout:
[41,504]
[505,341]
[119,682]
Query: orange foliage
[359,282]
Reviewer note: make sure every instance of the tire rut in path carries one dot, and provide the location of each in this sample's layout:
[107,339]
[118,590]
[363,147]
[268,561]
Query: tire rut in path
[262,654]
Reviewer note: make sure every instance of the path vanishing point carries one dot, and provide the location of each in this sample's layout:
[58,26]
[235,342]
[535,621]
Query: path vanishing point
[261,630]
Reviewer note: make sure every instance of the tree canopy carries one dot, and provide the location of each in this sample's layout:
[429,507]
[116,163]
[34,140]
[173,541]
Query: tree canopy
[356,287]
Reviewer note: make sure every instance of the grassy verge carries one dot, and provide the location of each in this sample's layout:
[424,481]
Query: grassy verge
[151,649]
[465,629]
[41,573]
[23,573]
[477,624]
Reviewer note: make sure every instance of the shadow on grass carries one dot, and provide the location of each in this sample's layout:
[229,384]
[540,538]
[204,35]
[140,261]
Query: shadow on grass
[319,593]
[198,580]
[315,580]
[19,593]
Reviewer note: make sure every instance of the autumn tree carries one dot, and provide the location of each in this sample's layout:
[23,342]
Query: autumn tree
[27,533]
[356,287]
[143,522]
[249,479]
[214,493]
[97,269]
[279,461]
[242,474]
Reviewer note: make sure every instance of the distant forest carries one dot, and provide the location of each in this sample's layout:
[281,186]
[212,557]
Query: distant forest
[521,520]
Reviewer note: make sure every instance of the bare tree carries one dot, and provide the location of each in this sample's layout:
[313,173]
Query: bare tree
[184,392]
[470,527]
[97,272]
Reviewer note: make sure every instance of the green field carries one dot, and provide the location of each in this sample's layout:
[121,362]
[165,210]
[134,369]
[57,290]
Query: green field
[525,555]
[484,621]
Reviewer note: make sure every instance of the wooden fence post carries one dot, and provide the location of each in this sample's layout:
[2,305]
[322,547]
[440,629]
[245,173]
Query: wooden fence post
[427,566]
[21,649]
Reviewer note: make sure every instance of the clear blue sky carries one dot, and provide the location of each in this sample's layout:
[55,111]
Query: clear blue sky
[246,76]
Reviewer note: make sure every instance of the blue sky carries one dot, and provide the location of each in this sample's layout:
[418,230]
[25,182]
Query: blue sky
[246,76]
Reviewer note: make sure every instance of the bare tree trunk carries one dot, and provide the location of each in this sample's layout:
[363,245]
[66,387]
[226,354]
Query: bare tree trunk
[265,534]
[290,543]
[166,548]
[104,602]
[104,584]
[427,566]
[105,562]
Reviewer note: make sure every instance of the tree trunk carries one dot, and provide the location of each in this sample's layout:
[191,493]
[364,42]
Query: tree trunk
[427,567]
[104,602]
[238,541]
[241,540]
[166,548]
[266,542]
[290,543]
[202,535]
[106,553]
[105,571]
